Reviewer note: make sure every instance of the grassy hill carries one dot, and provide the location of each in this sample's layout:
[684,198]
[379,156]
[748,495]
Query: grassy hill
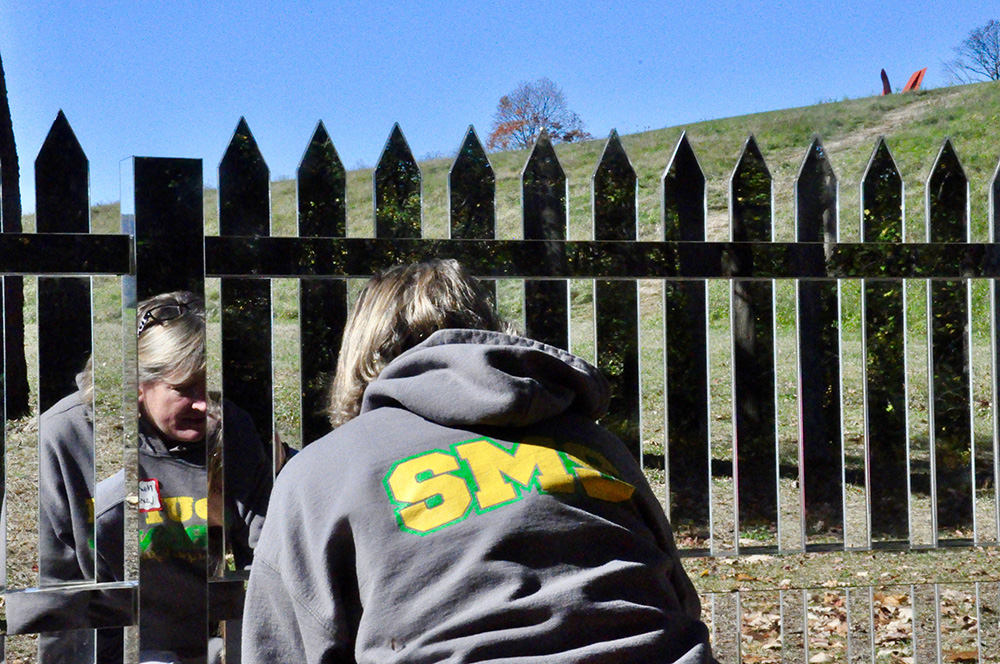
[915,125]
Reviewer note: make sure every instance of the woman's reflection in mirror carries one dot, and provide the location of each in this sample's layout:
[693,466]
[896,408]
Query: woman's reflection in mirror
[178,424]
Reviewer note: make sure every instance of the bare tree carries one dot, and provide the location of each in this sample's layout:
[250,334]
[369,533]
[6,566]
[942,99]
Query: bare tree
[524,113]
[978,56]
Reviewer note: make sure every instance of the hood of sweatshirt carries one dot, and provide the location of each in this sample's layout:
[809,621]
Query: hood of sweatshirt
[476,377]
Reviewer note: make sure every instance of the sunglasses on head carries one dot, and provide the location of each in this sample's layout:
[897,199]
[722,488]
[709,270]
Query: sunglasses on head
[161,314]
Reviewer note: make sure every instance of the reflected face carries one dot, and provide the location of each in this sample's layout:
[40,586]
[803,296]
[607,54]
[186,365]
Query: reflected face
[178,410]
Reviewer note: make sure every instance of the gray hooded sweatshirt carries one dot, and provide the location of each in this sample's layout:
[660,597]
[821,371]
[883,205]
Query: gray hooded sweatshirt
[473,512]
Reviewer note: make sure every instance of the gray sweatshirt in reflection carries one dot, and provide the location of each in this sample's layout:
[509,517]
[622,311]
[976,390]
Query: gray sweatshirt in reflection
[67,492]
[175,521]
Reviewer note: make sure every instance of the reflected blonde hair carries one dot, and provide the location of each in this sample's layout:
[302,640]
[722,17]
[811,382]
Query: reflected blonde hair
[85,384]
[173,350]
[398,309]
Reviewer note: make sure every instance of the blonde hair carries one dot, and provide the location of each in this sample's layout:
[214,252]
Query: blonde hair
[398,309]
[172,349]
[85,383]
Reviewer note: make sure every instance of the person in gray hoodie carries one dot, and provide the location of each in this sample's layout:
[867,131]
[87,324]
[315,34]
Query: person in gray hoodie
[174,504]
[467,507]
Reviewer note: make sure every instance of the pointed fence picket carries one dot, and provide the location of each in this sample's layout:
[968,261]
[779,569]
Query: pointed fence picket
[951,459]
[322,212]
[397,190]
[64,313]
[883,302]
[685,332]
[821,462]
[543,205]
[616,302]
[755,473]
[472,192]
[245,210]
[897,468]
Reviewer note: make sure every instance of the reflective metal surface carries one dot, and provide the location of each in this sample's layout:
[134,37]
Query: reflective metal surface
[174,559]
[616,303]
[948,314]
[472,192]
[397,189]
[536,259]
[65,254]
[472,196]
[884,308]
[322,194]
[821,472]
[543,206]
[64,312]
[752,311]
[245,210]
[899,464]
[66,469]
[686,347]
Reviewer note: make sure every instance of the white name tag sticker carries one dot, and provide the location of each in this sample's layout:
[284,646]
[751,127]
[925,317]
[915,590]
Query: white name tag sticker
[149,496]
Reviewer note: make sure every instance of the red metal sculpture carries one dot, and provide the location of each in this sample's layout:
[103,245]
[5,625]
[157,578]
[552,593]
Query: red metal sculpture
[915,80]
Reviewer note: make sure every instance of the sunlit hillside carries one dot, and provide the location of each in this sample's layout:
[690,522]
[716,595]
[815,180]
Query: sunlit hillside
[915,125]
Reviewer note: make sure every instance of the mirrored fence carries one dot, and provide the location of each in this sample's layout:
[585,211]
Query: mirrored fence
[784,397]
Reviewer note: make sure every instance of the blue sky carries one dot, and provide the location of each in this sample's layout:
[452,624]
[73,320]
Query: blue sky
[172,78]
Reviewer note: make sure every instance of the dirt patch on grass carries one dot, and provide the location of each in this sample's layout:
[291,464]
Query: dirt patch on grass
[889,123]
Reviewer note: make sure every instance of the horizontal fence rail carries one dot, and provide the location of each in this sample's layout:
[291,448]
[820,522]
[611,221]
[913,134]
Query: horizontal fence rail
[287,257]
[277,257]
[786,398]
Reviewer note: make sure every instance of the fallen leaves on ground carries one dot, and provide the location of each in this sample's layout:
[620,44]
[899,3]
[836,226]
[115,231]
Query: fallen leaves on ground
[828,626]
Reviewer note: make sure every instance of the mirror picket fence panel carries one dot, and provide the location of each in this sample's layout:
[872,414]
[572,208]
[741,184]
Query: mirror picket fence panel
[806,410]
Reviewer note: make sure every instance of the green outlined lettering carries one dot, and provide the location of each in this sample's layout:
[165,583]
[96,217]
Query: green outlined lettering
[431,495]
[437,489]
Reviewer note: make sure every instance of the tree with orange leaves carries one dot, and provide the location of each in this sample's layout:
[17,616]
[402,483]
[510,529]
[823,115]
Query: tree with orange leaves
[522,114]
